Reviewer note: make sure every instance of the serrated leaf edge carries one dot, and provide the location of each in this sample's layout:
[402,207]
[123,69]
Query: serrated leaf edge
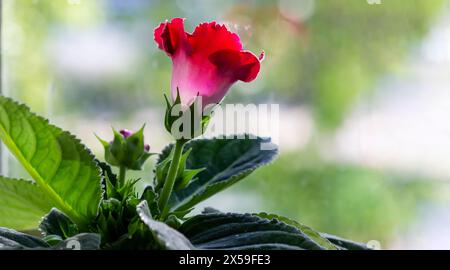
[41,183]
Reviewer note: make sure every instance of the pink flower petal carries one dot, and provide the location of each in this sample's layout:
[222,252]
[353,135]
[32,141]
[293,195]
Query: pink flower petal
[206,62]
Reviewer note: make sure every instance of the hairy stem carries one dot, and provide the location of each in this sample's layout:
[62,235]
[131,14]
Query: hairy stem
[122,173]
[171,177]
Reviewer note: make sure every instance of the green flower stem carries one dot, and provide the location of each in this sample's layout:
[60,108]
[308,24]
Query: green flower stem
[122,173]
[171,177]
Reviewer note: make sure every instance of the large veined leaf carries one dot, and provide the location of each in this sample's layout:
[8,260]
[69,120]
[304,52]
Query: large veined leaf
[315,236]
[217,230]
[14,240]
[62,167]
[166,236]
[344,243]
[82,241]
[225,162]
[328,241]
[22,204]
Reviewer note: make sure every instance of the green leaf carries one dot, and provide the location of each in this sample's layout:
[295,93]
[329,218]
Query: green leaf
[10,239]
[16,240]
[315,236]
[152,200]
[167,237]
[8,244]
[186,177]
[215,230]
[82,241]
[109,181]
[225,162]
[22,205]
[56,223]
[53,239]
[161,170]
[62,167]
[344,243]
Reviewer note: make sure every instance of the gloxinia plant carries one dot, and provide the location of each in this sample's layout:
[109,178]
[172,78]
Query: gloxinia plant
[77,201]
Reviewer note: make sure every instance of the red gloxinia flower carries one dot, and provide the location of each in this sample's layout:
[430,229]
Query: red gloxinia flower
[206,62]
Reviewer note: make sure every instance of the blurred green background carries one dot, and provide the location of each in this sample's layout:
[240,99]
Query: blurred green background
[362,90]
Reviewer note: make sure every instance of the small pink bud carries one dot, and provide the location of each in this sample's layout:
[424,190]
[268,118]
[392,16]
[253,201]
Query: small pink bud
[125,133]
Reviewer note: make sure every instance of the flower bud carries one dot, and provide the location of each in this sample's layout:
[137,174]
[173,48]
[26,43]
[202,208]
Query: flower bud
[125,133]
[127,149]
[186,122]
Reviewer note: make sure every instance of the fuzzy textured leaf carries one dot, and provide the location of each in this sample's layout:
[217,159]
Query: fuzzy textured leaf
[344,243]
[166,236]
[215,230]
[62,167]
[225,162]
[56,223]
[22,204]
[16,240]
[82,241]
[315,236]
